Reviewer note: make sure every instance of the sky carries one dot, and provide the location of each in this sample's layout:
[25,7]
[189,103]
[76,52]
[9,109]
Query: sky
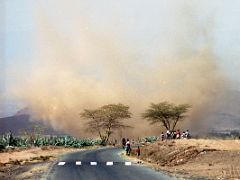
[143,28]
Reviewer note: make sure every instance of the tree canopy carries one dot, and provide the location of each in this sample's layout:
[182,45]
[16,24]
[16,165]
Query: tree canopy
[106,119]
[166,113]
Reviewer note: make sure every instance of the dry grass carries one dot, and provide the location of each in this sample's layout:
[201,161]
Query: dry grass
[30,163]
[211,159]
[32,153]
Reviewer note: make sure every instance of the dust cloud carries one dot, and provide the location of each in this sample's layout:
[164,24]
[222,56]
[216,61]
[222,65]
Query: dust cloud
[78,68]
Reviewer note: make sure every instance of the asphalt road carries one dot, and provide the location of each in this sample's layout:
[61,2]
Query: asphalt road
[100,164]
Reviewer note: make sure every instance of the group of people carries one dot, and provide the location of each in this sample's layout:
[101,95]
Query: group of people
[127,146]
[168,135]
[175,135]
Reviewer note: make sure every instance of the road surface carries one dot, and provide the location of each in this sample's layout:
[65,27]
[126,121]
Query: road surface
[100,164]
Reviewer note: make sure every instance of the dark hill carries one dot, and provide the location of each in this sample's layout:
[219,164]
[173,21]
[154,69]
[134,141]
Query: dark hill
[22,121]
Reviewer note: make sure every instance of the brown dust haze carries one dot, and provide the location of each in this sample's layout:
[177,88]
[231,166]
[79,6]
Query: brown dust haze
[81,68]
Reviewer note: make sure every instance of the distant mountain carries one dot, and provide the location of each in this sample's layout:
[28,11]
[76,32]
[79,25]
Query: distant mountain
[23,111]
[223,114]
[227,114]
[226,121]
[21,121]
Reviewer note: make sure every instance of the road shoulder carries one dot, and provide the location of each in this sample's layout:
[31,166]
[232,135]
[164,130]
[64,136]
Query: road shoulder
[32,163]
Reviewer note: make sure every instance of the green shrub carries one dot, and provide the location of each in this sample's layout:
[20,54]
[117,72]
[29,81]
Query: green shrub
[66,141]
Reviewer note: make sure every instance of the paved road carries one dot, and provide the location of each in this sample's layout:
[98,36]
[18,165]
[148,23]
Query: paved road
[100,164]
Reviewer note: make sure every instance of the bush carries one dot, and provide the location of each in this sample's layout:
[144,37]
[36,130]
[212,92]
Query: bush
[151,139]
[66,141]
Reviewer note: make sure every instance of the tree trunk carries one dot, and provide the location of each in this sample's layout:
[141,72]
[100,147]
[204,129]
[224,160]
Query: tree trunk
[175,123]
[108,133]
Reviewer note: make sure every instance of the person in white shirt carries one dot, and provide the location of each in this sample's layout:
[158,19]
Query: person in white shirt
[128,147]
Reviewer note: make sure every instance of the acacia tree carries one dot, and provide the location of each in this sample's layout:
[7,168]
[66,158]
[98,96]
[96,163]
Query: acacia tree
[106,119]
[166,113]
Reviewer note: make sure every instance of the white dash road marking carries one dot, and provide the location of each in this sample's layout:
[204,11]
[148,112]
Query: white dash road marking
[109,163]
[128,163]
[93,163]
[78,163]
[61,163]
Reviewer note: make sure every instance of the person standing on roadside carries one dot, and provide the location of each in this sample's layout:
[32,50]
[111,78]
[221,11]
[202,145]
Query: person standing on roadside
[123,142]
[187,134]
[138,151]
[178,134]
[168,134]
[162,136]
[128,147]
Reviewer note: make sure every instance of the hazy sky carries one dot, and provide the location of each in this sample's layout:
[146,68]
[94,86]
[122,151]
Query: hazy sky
[143,28]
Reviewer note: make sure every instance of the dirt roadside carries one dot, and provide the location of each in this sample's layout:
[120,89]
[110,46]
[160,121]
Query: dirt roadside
[194,159]
[32,163]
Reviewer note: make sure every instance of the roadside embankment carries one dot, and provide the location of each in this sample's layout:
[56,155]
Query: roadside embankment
[209,159]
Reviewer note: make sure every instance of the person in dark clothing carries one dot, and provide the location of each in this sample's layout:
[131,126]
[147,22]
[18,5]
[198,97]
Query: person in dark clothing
[162,136]
[168,134]
[123,142]
[138,151]
[174,134]
[187,134]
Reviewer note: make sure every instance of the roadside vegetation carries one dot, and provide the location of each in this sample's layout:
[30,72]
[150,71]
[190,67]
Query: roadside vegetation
[11,141]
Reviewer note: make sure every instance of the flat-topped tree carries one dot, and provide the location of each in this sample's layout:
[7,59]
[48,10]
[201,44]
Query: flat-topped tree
[106,119]
[166,113]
